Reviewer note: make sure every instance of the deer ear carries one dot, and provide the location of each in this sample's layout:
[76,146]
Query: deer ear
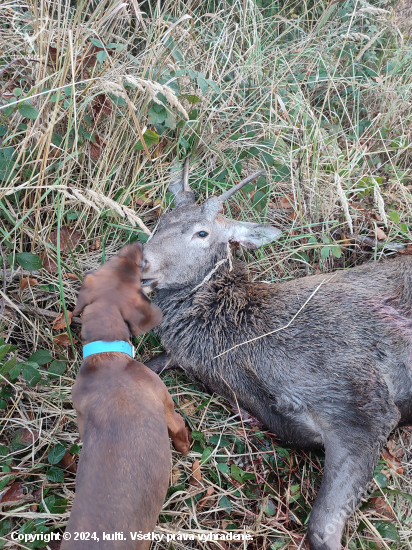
[252,235]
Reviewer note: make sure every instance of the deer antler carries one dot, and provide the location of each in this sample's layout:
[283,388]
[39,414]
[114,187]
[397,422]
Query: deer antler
[230,192]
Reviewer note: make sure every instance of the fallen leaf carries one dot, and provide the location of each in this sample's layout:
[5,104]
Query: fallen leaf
[7,95]
[60,321]
[69,462]
[206,499]
[96,245]
[48,263]
[287,201]
[408,249]
[381,506]
[69,238]
[345,241]
[15,492]
[143,200]
[381,235]
[395,448]
[23,437]
[96,149]
[196,473]
[196,478]
[378,79]
[63,340]
[175,475]
[53,54]
[189,407]
[27,281]
[101,105]
[71,276]
[393,462]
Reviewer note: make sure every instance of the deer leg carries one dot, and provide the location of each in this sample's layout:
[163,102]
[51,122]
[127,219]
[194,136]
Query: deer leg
[161,363]
[347,478]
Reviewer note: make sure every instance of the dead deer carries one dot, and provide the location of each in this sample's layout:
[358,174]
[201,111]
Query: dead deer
[322,361]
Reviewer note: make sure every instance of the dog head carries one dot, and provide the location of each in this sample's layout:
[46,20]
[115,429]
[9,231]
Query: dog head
[117,285]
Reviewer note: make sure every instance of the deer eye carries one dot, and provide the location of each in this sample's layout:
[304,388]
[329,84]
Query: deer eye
[202,234]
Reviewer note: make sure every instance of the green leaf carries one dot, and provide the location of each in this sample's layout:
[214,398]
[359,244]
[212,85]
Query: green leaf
[74,449]
[115,46]
[170,121]
[15,371]
[394,216]
[155,117]
[8,366]
[403,227]
[224,503]
[8,152]
[259,200]
[3,404]
[236,473]
[101,56]
[55,474]
[3,450]
[54,505]
[29,261]
[206,454]
[97,43]
[30,373]
[336,251]
[214,86]
[381,480]
[269,508]
[150,138]
[223,467]
[202,83]
[3,130]
[387,530]
[143,237]
[218,440]
[198,436]
[57,368]
[268,159]
[56,453]
[191,98]
[6,348]
[28,111]
[41,357]
[325,251]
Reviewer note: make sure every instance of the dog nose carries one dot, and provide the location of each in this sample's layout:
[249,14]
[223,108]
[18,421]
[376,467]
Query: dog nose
[143,265]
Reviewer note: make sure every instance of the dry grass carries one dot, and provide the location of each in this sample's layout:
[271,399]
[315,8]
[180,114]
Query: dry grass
[318,94]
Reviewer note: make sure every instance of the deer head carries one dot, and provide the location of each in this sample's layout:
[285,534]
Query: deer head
[191,239]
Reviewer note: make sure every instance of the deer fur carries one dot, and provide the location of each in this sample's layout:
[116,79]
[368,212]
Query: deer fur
[334,370]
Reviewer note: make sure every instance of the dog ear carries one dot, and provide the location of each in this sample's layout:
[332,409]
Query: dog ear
[84,297]
[143,315]
[132,252]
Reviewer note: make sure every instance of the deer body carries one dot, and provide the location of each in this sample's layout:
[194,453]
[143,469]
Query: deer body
[335,370]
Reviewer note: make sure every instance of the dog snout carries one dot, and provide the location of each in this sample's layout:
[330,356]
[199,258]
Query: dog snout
[144,265]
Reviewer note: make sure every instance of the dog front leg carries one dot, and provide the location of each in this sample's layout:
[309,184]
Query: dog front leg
[178,433]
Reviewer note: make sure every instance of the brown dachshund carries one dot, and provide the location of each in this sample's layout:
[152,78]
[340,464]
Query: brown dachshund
[125,415]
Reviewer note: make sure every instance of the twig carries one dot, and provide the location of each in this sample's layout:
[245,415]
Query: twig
[7,66]
[4,282]
[45,313]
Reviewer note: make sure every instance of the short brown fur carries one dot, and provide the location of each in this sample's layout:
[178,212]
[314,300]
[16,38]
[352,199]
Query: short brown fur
[124,413]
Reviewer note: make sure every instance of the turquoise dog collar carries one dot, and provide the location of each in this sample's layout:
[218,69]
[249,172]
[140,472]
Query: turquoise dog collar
[106,347]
